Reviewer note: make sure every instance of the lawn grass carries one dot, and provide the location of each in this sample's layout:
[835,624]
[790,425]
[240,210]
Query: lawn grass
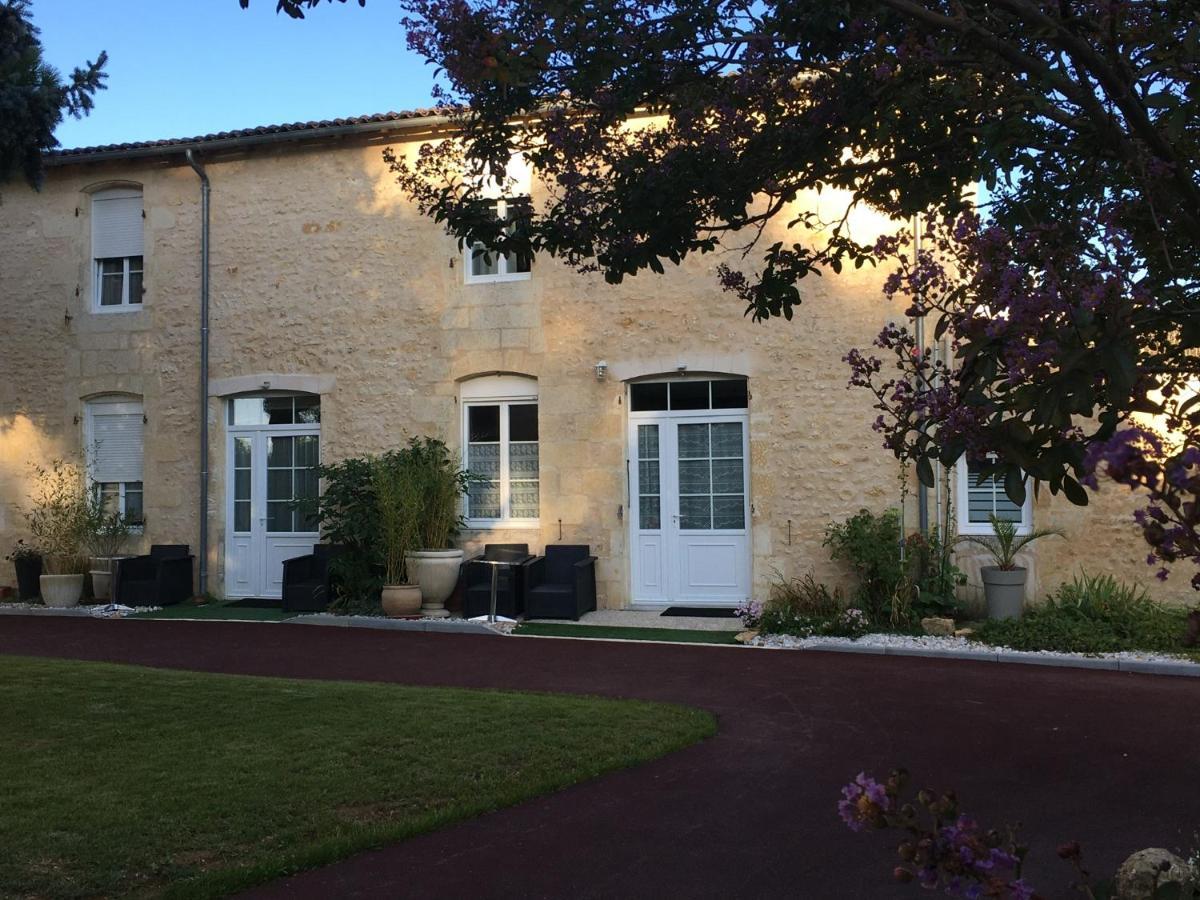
[682,635]
[218,611]
[120,780]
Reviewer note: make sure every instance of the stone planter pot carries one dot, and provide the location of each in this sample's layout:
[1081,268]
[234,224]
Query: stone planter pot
[61,591]
[1004,590]
[401,600]
[436,573]
[29,571]
[102,574]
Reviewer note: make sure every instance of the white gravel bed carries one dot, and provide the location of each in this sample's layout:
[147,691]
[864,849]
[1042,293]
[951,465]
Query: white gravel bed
[956,645]
[106,611]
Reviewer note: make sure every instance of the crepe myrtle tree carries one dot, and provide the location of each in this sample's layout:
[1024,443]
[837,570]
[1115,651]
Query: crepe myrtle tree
[1068,298]
[34,95]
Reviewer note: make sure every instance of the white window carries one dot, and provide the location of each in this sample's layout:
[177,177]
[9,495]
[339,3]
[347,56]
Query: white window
[980,498]
[500,450]
[117,250]
[113,434]
[506,199]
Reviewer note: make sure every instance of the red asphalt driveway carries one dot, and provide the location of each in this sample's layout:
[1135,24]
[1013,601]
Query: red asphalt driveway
[1106,758]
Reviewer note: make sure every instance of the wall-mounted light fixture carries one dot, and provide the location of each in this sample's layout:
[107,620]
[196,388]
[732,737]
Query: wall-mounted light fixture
[681,368]
[601,370]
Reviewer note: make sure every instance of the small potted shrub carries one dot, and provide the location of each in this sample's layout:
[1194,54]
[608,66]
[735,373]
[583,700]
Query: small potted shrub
[397,498]
[27,562]
[107,534]
[1004,582]
[59,523]
[441,483]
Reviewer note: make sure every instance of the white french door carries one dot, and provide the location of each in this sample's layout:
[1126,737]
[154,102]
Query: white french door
[690,507]
[270,469]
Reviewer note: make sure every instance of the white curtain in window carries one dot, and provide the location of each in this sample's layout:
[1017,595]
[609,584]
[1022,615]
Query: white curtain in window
[115,442]
[117,223]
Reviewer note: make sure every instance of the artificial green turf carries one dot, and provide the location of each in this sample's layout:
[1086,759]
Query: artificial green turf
[681,635]
[120,780]
[216,611]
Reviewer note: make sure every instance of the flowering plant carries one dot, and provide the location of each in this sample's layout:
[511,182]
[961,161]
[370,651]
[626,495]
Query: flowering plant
[852,623]
[943,849]
[22,550]
[751,613]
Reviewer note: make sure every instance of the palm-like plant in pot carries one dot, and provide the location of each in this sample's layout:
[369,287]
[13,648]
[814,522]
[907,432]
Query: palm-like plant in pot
[107,534]
[59,523]
[434,564]
[397,500]
[1004,582]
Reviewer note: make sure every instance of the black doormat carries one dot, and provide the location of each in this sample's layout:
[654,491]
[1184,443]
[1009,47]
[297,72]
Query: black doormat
[704,612]
[256,603]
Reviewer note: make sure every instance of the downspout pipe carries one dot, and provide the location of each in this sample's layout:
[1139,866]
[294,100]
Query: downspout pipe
[919,329]
[204,232]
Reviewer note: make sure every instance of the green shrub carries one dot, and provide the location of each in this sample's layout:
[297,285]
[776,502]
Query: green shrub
[800,606]
[1092,614]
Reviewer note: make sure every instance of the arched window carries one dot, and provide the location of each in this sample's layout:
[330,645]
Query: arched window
[500,449]
[117,247]
[113,441]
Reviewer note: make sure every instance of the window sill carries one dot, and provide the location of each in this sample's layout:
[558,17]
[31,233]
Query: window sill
[123,308]
[497,279]
[502,525]
[985,530]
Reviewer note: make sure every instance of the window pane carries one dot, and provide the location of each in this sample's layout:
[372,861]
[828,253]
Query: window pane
[308,410]
[727,439]
[695,513]
[693,441]
[279,451]
[523,460]
[241,484]
[523,422]
[241,515]
[524,499]
[241,452]
[986,496]
[514,263]
[110,496]
[729,512]
[483,424]
[307,454]
[133,501]
[279,484]
[247,411]
[648,396]
[648,477]
[483,263]
[648,442]
[135,287]
[111,287]
[279,410]
[689,395]
[648,513]
[730,394]
[484,500]
[694,476]
[279,516]
[727,476]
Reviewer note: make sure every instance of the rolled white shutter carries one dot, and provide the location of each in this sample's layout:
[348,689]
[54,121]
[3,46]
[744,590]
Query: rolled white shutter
[117,224]
[116,442]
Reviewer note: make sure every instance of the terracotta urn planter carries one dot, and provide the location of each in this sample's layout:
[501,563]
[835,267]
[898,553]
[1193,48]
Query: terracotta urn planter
[400,600]
[1004,590]
[61,591]
[436,573]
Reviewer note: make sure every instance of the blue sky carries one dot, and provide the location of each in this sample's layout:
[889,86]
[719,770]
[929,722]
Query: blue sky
[178,68]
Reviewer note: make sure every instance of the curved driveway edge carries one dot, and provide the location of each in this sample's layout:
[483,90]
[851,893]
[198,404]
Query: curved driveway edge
[1096,756]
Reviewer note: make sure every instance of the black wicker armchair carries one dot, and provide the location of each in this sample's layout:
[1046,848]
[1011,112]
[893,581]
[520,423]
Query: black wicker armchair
[160,578]
[510,581]
[308,581]
[561,584]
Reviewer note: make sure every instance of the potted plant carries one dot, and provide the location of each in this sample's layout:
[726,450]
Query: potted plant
[107,534]
[441,483]
[27,561]
[1004,582]
[59,523]
[397,499]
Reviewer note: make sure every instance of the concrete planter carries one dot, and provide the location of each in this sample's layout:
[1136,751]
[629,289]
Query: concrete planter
[1004,590]
[61,591]
[401,600]
[436,573]
[102,574]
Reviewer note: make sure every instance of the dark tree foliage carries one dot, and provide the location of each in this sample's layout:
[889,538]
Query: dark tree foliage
[1070,301]
[33,95]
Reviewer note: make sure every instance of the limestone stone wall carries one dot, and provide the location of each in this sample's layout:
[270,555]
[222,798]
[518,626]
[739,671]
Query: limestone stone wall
[320,267]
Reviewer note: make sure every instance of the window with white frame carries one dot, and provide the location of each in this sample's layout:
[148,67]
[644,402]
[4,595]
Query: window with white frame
[500,450]
[982,496]
[113,437]
[117,248]
[507,200]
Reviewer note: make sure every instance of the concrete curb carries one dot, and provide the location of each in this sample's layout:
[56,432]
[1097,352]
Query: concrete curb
[1139,666]
[441,626]
[49,611]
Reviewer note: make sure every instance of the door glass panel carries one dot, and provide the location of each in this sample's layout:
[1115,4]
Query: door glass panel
[279,452]
[712,481]
[292,479]
[695,513]
[727,439]
[693,441]
[241,483]
[649,490]
[241,453]
[729,512]
[694,476]
[727,476]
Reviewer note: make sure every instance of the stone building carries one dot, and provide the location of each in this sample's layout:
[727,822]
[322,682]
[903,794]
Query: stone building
[697,452]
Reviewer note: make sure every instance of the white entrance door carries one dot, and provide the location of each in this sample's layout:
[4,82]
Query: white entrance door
[691,513]
[272,467]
